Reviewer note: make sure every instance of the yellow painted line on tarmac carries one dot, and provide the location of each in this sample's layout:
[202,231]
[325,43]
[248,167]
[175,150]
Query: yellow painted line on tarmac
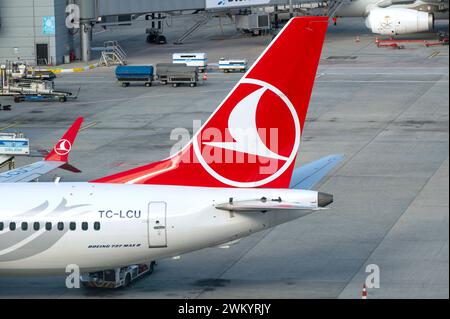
[73,70]
[435,53]
[88,126]
[9,126]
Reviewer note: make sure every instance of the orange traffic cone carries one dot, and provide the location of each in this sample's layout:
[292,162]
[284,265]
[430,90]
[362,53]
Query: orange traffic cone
[364,292]
[205,76]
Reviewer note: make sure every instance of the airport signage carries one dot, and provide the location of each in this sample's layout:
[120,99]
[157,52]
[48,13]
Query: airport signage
[217,4]
[48,25]
[14,146]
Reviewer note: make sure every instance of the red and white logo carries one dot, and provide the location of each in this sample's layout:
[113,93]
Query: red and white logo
[63,147]
[258,127]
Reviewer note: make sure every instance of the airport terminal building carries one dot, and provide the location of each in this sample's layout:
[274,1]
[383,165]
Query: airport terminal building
[34,31]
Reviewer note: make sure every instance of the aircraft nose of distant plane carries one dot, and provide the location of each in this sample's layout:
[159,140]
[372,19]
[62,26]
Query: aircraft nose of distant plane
[324,199]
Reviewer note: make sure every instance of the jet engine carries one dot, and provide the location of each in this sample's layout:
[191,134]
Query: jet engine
[393,21]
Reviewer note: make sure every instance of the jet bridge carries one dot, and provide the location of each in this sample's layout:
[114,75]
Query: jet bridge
[92,10]
[119,7]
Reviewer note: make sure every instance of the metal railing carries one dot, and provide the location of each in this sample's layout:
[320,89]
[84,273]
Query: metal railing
[113,54]
[201,20]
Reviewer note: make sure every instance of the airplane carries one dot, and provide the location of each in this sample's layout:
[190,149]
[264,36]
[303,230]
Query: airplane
[394,17]
[216,189]
[57,158]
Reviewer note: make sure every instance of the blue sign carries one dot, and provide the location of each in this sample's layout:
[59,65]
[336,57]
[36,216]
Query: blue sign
[48,25]
[14,146]
[15,143]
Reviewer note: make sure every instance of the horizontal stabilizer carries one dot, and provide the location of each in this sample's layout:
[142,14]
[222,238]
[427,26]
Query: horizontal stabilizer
[307,176]
[70,168]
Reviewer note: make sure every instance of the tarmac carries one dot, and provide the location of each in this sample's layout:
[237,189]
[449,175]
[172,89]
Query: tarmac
[386,110]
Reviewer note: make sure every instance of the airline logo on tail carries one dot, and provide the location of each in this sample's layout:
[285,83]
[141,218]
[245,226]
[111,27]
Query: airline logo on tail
[253,137]
[63,147]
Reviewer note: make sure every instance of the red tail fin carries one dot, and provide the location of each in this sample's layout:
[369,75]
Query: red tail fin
[252,139]
[61,150]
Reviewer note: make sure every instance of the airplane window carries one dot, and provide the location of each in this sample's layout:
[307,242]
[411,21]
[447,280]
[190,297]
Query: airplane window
[36,226]
[60,226]
[24,226]
[12,226]
[2,226]
[48,226]
[84,226]
[72,225]
[97,225]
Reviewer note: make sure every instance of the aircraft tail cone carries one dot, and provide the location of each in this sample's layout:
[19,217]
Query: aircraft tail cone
[324,199]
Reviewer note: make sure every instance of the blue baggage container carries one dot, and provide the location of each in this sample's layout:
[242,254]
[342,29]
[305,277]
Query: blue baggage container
[131,73]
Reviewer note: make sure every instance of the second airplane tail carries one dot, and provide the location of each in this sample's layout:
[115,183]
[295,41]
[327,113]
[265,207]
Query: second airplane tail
[61,150]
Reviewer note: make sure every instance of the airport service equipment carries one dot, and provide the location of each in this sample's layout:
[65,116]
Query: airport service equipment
[5,107]
[40,74]
[117,277]
[126,74]
[255,22]
[229,65]
[191,59]
[35,90]
[177,74]
[14,144]
[20,70]
[25,88]
[163,69]
[189,76]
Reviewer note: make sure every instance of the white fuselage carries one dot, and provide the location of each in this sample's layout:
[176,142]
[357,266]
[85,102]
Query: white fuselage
[137,223]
